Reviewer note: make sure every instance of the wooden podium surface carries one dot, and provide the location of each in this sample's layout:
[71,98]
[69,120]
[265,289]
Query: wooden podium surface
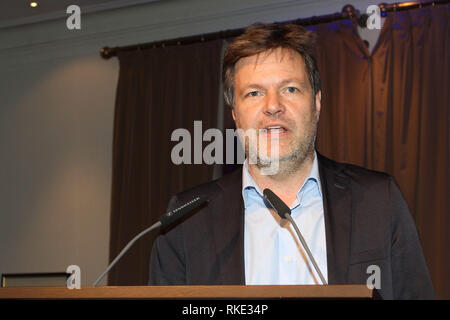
[193,292]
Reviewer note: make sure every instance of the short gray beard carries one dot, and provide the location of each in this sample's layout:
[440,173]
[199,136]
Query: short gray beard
[292,162]
[296,159]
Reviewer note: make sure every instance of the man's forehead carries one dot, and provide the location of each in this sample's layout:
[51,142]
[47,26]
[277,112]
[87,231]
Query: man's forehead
[278,55]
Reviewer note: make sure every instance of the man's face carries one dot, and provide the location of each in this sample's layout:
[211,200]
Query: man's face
[272,92]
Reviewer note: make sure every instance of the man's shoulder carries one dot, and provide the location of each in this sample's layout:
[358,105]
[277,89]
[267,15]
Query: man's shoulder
[355,173]
[229,182]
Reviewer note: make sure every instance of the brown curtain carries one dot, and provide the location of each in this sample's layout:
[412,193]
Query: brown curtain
[159,90]
[390,111]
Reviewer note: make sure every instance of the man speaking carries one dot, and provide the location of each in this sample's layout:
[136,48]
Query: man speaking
[351,218]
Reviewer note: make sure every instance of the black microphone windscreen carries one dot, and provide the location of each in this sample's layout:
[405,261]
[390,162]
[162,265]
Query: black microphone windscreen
[277,204]
[179,212]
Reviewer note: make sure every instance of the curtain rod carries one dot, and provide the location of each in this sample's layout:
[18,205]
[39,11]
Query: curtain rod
[348,11]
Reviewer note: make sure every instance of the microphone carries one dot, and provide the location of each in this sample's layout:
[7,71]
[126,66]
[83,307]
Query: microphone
[285,213]
[165,220]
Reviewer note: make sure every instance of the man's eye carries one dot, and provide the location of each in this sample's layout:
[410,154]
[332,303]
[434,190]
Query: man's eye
[291,89]
[253,94]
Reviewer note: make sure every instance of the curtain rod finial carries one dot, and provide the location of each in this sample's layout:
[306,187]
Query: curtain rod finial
[106,53]
[349,11]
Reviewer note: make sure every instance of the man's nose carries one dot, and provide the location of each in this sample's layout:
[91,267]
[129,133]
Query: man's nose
[273,104]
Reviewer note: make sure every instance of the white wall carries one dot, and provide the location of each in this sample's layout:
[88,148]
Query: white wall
[56,122]
[55,165]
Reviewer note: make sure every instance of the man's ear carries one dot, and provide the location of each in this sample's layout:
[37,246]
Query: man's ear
[318,101]
[233,114]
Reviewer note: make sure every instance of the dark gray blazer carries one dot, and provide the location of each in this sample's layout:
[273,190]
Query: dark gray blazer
[367,222]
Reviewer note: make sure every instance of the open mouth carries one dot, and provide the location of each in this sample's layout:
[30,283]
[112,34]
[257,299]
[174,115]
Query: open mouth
[274,129]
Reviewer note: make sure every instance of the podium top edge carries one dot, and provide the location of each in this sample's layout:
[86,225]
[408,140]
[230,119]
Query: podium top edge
[346,291]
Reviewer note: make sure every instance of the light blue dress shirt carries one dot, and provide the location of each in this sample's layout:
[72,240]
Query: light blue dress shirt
[273,253]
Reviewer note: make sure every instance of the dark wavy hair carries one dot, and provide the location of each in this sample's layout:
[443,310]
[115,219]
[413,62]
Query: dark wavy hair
[258,38]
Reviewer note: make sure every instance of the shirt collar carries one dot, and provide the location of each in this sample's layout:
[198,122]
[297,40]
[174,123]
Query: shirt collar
[249,184]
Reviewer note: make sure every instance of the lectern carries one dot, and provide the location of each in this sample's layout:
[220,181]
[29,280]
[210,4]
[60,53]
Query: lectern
[194,292]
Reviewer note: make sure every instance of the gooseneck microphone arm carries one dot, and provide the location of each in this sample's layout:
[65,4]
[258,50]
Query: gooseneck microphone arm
[124,250]
[284,212]
[165,220]
[305,245]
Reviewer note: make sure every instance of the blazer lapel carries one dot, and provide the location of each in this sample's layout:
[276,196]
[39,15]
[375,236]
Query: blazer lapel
[228,227]
[337,211]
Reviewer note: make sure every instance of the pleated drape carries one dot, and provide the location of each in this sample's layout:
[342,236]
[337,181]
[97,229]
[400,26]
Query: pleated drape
[159,91]
[389,110]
